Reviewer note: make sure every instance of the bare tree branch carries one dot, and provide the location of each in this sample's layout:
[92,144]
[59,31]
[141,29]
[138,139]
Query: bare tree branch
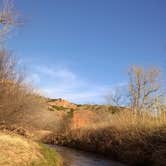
[115,97]
[9,18]
[144,87]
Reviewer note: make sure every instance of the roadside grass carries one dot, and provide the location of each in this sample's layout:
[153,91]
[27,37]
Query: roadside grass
[17,150]
[51,158]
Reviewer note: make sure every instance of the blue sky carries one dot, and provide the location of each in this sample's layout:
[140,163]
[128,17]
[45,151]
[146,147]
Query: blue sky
[81,49]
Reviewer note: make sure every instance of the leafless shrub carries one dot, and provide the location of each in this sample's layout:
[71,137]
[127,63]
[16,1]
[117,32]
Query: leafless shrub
[16,98]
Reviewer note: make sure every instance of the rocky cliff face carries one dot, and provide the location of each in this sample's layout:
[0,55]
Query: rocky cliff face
[62,103]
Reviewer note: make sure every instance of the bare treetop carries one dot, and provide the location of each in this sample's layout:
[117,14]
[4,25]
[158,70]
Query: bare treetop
[9,18]
[144,87]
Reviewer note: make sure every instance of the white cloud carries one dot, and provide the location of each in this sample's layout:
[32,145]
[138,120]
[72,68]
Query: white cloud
[34,78]
[64,83]
[66,74]
[85,95]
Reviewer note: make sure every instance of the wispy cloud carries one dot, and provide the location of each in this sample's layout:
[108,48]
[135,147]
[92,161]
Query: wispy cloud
[64,83]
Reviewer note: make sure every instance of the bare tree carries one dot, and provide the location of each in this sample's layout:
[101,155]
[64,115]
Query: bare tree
[12,89]
[16,97]
[9,19]
[144,87]
[115,97]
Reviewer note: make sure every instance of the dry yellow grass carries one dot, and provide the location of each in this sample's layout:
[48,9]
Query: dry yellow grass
[15,150]
[126,120]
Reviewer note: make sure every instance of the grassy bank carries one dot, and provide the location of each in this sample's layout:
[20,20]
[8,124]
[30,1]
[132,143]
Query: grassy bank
[50,157]
[16,151]
[129,138]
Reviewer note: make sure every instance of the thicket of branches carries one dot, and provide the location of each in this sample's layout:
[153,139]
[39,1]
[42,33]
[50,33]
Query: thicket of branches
[16,97]
[145,92]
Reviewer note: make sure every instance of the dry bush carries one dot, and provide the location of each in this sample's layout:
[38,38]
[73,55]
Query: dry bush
[124,119]
[19,101]
[136,139]
[16,98]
